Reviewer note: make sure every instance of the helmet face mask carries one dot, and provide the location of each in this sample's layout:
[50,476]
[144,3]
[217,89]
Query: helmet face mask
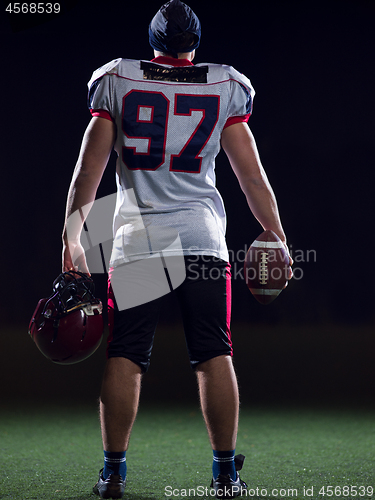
[67,327]
[72,290]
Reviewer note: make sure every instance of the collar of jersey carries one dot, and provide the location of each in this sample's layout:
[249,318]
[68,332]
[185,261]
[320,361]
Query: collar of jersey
[172,61]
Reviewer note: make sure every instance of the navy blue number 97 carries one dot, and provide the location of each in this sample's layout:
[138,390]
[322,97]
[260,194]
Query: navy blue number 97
[145,116]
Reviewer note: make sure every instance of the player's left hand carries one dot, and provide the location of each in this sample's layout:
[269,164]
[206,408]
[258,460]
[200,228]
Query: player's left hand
[77,262]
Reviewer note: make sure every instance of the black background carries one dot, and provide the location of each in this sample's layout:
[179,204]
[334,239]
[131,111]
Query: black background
[312,66]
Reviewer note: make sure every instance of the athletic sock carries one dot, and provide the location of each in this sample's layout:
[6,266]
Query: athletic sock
[224,464]
[114,463]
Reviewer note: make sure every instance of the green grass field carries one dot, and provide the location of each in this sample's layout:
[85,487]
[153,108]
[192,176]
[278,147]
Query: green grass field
[55,453]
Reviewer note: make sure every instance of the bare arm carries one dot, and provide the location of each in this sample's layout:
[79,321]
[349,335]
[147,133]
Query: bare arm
[239,145]
[95,151]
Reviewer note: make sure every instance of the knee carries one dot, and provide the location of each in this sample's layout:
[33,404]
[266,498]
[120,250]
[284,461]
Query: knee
[216,364]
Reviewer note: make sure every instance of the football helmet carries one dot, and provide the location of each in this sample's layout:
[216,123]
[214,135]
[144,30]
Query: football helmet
[67,327]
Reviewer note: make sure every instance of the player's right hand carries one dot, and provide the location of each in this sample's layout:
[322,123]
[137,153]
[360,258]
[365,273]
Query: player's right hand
[290,271]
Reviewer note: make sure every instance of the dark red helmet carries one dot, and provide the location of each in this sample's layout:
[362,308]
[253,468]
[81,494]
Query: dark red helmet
[68,326]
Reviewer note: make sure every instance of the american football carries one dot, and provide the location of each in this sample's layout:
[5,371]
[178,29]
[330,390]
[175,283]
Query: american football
[266,267]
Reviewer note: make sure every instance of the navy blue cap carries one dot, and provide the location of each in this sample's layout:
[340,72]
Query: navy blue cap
[173,18]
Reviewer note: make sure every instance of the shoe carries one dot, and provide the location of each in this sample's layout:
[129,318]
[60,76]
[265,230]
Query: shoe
[112,487]
[224,485]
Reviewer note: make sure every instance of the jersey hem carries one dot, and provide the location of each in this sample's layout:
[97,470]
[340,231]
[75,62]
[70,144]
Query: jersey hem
[169,253]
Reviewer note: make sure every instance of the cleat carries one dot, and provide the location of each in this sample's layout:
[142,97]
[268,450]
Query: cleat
[224,485]
[112,487]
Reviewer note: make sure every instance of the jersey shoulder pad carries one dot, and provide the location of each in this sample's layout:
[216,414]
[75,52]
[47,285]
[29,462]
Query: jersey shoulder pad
[222,72]
[107,68]
[240,78]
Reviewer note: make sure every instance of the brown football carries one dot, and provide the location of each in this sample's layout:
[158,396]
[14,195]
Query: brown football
[266,267]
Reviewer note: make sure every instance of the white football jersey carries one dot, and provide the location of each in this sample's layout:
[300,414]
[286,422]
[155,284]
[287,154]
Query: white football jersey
[169,116]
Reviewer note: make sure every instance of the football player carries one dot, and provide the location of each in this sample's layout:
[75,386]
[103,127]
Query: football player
[167,119]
